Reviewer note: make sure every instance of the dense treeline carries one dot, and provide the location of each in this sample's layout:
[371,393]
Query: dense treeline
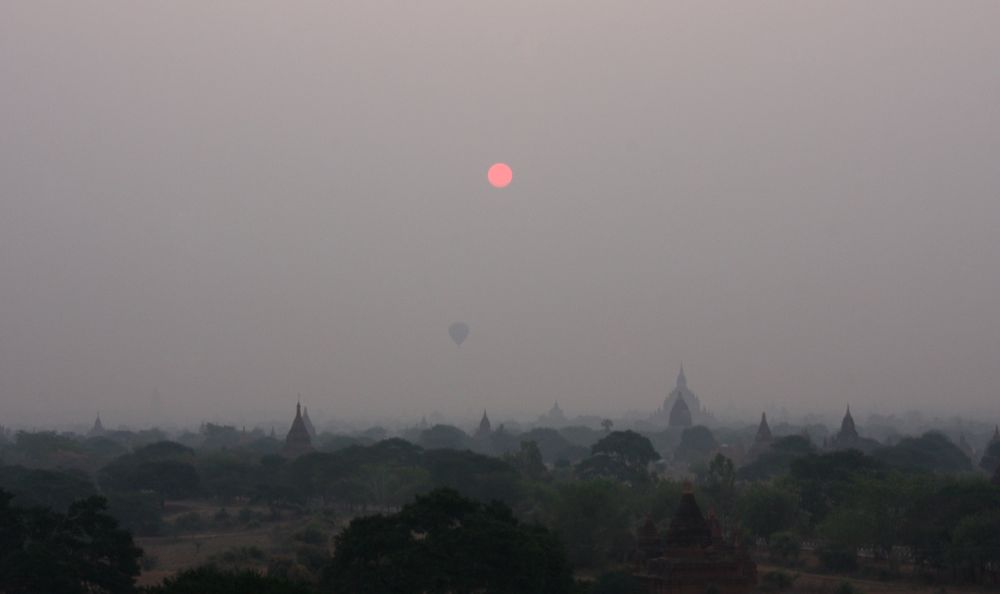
[917,507]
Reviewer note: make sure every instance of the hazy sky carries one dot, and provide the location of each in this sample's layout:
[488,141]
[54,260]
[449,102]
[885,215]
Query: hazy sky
[234,202]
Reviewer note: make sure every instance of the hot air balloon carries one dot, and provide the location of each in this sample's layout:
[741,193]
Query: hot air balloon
[458,331]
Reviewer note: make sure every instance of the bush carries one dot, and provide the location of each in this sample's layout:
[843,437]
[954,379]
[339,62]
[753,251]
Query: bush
[784,546]
[212,579]
[189,522]
[776,581]
[846,587]
[311,535]
[838,559]
[617,582]
[149,562]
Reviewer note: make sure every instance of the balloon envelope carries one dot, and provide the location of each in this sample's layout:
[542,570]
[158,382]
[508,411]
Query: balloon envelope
[458,331]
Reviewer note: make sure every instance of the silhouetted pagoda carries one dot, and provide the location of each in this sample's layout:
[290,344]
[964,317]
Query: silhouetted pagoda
[848,439]
[762,441]
[308,422]
[692,555]
[98,429]
[680,414]
[297,442]
[485,428]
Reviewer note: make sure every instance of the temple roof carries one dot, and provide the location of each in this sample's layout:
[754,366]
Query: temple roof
[847,428]
[484,424]
[308,422]
[688,527]
[763,430]
[680,414]
[297,442]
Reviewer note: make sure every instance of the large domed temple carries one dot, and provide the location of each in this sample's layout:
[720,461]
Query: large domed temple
[692,555]
[681,403]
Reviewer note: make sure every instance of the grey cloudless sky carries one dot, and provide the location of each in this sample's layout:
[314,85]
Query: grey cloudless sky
[235,202]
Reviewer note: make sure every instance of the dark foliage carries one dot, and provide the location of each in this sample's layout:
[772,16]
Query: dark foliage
[211,580]
[446,543]
[81,551]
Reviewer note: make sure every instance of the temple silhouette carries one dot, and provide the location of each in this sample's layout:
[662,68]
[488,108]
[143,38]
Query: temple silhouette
[693,555]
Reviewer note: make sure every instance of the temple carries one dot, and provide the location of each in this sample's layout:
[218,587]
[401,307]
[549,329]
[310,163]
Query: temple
[692,556]
[484,426]
[682,392]
[762,441]
[848,439]
[98,429]
[308,422]
[554,418]
[297,442]
[680,414]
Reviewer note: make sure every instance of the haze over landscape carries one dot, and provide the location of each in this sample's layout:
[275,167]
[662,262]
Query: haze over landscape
[230,207]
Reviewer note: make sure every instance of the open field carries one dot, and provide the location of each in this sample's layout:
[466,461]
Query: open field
[176,552]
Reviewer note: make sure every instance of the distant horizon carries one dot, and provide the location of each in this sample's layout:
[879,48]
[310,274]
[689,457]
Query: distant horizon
[234,205]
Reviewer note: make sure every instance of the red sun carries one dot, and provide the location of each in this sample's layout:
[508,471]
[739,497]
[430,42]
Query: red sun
[499,175]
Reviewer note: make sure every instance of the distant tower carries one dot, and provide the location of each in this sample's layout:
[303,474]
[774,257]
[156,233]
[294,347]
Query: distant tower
[763,439]
[484,426]
[308,422]
[297,442]
[680,414]
[847,428]
[98,429]
[847,437]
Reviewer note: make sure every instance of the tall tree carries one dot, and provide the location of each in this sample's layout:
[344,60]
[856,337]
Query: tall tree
[444,542]
[81,551]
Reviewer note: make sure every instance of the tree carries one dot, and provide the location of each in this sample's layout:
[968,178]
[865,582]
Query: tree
[631,448]
[824,481]
[168,478]
[528,461]
[696,444]
[607,424]
[720,485]
[990,462]
[768,508]
[212,579]
[975,543]
[931,452]
[593,518]
[444,542]
[874,514]
[473,475]
[45,488]
[81,551]
[444,437]
[777,459]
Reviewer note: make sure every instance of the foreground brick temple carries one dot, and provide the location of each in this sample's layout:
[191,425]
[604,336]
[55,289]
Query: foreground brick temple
[692,556]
